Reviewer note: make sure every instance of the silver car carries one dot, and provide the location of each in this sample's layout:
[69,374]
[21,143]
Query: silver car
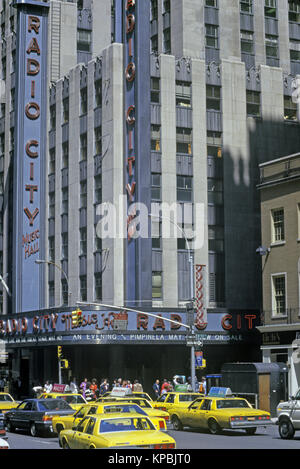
[288,415]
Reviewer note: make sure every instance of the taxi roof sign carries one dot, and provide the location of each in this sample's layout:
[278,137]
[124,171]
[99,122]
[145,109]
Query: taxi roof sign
[219,392]
[120,392]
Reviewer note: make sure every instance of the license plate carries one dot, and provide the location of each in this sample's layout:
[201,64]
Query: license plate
[251,418]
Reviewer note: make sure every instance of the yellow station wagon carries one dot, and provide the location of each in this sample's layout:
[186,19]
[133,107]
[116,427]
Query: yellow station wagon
[67,422]
[116,431]
[218,413]
[172,400]
[74,400]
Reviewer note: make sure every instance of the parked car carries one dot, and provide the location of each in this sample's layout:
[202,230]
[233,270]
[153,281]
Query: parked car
[36,415]
[76,401]
[7,402]
[3,444]
[288,417]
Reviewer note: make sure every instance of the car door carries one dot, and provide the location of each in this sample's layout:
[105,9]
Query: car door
[199,415]
[78,438]
[20,416]
[295,414]
[189,416]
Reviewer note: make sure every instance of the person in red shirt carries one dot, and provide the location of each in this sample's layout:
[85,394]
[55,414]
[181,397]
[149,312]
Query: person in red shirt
[94,388]
[165,387]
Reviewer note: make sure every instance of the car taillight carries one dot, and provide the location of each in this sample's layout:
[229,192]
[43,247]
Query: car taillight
[166,417]
[237,419]
[3,447]
[162,424]
[47,418]
[162,408]
[264,417]
[165,446]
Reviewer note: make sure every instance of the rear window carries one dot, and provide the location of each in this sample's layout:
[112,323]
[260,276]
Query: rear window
[188,397]
[5,398]
[125,424]
[232,404]
[73,399]
[57,404]
[135,409]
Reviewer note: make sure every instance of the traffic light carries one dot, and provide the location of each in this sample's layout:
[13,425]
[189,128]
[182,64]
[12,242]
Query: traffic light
[64,364]
[74,319]
[79,317]
[59,351]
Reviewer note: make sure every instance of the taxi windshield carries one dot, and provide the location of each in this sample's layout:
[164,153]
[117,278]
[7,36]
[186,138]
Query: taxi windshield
[73,399]
[130,408]
[125,425]
[188,397]
[5,398]
[232,404]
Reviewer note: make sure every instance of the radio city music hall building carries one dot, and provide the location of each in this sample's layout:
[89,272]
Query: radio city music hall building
[127,102]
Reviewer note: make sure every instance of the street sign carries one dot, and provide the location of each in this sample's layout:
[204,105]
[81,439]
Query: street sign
[194,340]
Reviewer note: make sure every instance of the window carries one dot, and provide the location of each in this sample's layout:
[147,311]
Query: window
[51,248]
[98,190]
[65,110]
[83,147]
[272,46]
[156,187]
[253,103]
[155,88]
[295,50]
[98,286]
[51,291]
[65,155]
[270,8]
[83,242]
[277,225]
[83,288]
[98,93]
[247,44]
[64,246]
[184,140]
[294,11]
[167,40]
[51,204]
[211,3]
[155,137]
[213,98]
[166,6]
[279,294]
[65,292]
[64,201]
[52,161]
[211,36]
[83,100]
[154,10]
[52,117]
[83,194]
[216,238]
[156,285]
[154,43]
[184,188]
[98,141]
[84,39]
[156,233]
[290,109]
[183,94]
[246,6]
[215,191]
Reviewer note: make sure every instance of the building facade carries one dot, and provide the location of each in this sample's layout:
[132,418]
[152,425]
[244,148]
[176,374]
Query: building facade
[207,95]
[279,189]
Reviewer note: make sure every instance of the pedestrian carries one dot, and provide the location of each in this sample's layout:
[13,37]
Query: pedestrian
[73,386]
[156,389]
[103,387]
[94,388]
[83,386]
[165,387]
[88,392]
[137,387]
[170,389]
[129,385]
[47,387]
[202,387]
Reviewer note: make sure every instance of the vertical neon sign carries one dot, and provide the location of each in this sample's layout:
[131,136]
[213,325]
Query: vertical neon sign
[30,154]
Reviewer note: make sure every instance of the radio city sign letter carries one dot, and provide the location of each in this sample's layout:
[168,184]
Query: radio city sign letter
[30,153]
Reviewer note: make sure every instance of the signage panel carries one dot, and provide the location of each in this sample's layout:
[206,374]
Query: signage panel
[30,155]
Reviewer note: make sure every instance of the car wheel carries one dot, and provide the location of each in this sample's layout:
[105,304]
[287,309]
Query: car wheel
[33,430]
[59,428]
[214,427]
[177,425]
[9,427]
[251,431]
[92,447]
[64,444]
[286,430]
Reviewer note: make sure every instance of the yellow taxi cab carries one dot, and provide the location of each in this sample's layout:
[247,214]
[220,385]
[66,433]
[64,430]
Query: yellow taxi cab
[115,431]
[146,405]
[7,402]
[170,400]
[143,395]
[220,410]
[74,400]
[66,422]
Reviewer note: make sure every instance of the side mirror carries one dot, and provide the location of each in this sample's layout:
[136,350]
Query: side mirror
[292,398]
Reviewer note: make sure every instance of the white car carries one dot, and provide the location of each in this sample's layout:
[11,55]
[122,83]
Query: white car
[288,417]
[3,444]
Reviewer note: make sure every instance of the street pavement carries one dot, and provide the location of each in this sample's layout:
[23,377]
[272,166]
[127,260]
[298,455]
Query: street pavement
[265,438]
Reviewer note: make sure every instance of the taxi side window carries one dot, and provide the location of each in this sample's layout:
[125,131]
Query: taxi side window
[92,410]
[171,399]
[162,398]
[81,425]
[206,404]
[90,427]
